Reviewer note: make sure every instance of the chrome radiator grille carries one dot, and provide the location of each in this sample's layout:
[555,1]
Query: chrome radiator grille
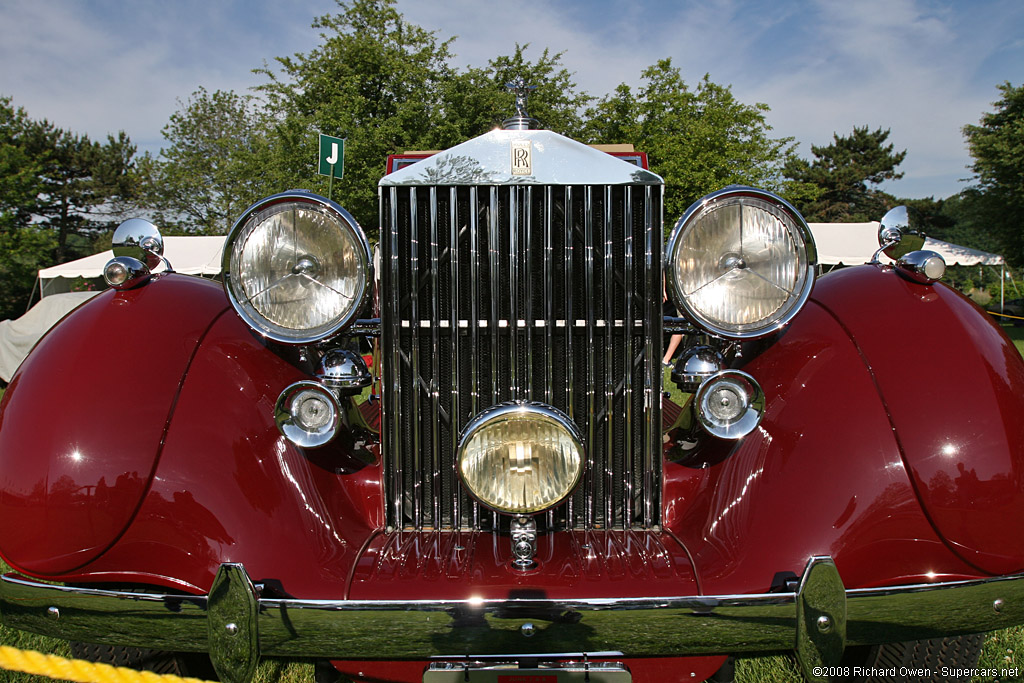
[536,293]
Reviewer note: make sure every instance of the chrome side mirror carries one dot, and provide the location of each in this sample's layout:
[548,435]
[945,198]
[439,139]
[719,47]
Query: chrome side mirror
[895,236]
[138,248]
[139,239]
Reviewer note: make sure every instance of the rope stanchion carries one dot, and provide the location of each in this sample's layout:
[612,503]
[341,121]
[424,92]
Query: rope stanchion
[77,670]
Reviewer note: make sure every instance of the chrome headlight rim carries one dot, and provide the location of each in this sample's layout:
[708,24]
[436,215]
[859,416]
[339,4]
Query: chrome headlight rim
[797,227]
[501,412]
[247,312]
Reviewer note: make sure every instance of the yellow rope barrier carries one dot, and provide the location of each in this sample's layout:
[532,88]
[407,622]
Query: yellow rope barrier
[1005,315]
[80,671]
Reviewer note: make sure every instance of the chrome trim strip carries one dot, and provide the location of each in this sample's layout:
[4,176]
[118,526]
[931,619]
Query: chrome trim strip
[570,407]
[392,341]
[474,265]
[513,308]
[435,368]
[456,417]
[652,423]
[493,253]
[589,293]
[609,363]
[528,277]
[417,450]
[549,293]
[629,461]
[636,627]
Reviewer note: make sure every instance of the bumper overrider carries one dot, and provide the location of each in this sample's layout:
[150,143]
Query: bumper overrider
[237,626]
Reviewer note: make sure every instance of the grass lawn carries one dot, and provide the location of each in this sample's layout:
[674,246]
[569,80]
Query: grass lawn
[1016,334]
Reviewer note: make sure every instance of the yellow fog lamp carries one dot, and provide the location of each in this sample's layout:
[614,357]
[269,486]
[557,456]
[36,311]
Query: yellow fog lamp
[521,458]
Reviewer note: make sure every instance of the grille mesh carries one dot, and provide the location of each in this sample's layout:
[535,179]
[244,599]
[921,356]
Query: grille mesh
[522,293]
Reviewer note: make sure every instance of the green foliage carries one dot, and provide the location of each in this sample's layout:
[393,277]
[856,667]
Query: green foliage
[477,100]
[997,145]
[212,168]
[373,80]
[699,140]
[19,182]
[58,190]
[847,174]
[85,186]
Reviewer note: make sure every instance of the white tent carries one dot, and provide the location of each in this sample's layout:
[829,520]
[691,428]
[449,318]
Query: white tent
[196,255]
[851,244]
[17,337]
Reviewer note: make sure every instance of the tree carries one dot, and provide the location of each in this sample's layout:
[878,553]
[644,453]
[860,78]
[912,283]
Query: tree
[19,181]
[374,80]
[478,99]
[997,145]
[58,191]
[698,140]
[214,165]
[847,174]
[23,245]
[85,186]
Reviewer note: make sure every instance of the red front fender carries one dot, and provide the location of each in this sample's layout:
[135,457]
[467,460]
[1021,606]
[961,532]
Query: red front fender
[952,386]
[83,420]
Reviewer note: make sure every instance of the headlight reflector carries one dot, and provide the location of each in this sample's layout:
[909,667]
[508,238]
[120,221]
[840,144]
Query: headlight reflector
[520,458]
[740,262]
[296,267]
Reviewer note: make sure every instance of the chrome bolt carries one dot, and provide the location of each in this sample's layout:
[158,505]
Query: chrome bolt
[232,629]
[824,624]
[998,604]
[53,613]
[528,629]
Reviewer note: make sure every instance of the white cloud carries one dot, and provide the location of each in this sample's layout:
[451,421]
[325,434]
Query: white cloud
[923,68]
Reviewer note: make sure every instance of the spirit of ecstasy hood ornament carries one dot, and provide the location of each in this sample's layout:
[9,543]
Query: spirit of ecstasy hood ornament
[522,120]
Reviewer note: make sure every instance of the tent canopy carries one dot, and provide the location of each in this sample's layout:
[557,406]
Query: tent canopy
[192,255]
[851,244]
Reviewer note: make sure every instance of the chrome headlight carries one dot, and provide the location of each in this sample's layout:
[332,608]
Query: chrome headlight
[740,262]
[520,458]
[296,267]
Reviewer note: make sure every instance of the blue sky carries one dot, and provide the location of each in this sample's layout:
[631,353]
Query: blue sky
[922,68]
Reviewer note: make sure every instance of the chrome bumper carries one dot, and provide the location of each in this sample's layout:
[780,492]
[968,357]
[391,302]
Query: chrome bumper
[236,626]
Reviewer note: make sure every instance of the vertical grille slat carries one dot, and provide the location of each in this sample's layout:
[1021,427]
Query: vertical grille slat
[548,293]
[453,325]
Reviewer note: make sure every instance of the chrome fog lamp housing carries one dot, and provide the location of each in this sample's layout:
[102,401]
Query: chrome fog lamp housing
[740,262]
[520,458]
[729,404]
[125,272]
[296,268]
[922,266]
[307,414]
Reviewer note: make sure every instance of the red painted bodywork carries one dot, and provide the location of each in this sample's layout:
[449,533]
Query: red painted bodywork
[182,467]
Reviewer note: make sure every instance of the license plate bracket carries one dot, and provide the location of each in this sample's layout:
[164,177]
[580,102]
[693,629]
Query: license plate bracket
[515,672]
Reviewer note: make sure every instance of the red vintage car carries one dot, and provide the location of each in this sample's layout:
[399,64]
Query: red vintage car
[193,473]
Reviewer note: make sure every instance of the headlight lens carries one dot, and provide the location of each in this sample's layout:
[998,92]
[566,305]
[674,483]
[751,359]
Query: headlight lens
[521,458]
[740,262]
[296,267]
